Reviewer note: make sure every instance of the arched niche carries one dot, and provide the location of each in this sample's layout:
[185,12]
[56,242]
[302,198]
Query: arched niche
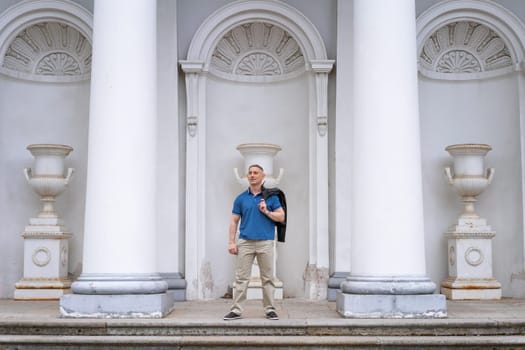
[46,106]
[471,56]
[242,43]
[463,40]
[46,41]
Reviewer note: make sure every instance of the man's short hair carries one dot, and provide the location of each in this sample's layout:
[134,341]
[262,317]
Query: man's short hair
[257,166]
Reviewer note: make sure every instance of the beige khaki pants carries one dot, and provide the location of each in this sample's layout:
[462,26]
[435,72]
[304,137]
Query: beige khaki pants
[247,251]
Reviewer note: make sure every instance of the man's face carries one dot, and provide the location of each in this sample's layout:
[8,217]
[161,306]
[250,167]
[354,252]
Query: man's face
[255,176]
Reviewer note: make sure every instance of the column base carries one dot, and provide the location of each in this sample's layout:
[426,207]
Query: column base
[116,306]
[471,289]
[176,285]
[391,306]
[41,289]
[334,284]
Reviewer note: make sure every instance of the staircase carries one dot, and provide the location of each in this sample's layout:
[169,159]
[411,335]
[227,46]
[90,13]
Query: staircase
[198,325]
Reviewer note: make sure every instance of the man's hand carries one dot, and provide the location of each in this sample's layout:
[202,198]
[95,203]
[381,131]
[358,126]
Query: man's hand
[262,207]
[232,249]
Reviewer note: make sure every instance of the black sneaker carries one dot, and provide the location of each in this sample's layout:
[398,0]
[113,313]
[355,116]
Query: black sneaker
[272,315]
[231,316]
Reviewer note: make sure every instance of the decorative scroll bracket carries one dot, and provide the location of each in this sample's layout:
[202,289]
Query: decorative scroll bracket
[193,71]
[321,68]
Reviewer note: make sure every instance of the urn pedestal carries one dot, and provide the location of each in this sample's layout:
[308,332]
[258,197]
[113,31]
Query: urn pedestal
[261,154]
[46,248]
[470,240]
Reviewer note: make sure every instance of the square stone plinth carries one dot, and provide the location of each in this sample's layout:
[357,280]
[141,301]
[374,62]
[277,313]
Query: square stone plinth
[471,294]
[40,294]
[116,306]
[391,306]
[41,289]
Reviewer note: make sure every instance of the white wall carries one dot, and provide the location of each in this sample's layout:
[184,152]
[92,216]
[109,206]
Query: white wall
[170,231]
[514,6]
[483,111]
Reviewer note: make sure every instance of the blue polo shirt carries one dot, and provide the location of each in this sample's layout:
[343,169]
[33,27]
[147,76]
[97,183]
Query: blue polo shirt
[254,224]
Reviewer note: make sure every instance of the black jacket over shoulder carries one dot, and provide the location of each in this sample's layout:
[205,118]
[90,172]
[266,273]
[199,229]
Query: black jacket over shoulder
[281,226]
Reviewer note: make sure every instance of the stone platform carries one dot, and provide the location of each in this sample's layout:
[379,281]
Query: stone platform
[303,324]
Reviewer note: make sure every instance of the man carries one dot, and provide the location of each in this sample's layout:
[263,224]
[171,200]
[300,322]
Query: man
[256,239]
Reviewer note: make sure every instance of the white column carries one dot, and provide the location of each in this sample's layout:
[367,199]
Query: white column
[343,150]
[119,278]
[388,277]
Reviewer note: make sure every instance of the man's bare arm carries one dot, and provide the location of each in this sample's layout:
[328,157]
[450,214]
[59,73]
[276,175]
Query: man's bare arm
[234,222]
[277,215]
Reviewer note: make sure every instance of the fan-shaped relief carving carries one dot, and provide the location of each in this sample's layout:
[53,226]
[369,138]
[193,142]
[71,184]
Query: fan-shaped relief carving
[257,51]
[465,47]
[48,51]
[458,61]
[58,63]
[259,63]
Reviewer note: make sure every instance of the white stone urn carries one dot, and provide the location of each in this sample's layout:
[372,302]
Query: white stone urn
[469,177]
[46,247]
[46,177]
[470,239]
[262,154]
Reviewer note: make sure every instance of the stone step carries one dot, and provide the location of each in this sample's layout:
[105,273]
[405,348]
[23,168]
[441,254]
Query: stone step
[243,327]
[52,342]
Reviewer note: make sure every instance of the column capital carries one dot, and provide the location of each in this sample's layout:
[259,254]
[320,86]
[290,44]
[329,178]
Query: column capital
[192,66]
[322,66]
